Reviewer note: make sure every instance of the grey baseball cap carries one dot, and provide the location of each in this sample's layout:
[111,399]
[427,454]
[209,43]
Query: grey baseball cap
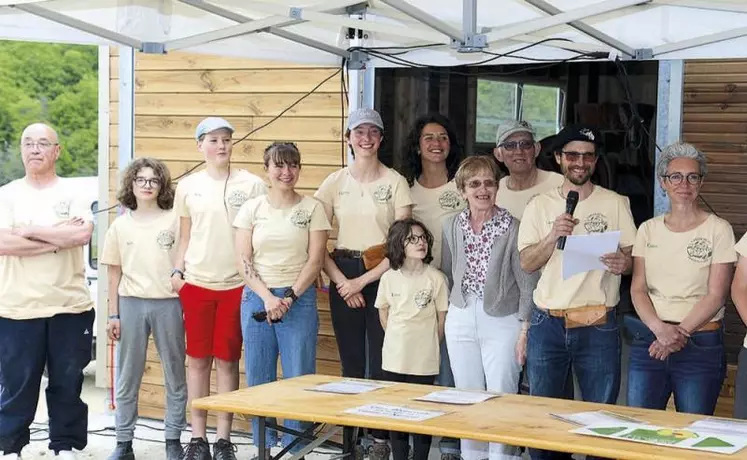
[361,116]
[210,124]
[512,127]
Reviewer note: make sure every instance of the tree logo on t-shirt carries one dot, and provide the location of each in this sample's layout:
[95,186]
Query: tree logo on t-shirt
[423,297]
[62,209]
[699,250]
[166,239]
[383,193]
[450,200]
[596,223]
[301,218]
[237,197]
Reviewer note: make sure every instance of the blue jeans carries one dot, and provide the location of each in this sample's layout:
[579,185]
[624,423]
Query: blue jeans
[592,353]
[694,374]
[62,342]
[294,339]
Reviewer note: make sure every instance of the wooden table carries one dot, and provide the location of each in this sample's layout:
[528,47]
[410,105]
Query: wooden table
[510,419]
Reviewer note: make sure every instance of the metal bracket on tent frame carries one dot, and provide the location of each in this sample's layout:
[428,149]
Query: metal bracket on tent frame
[643,54]
[153,48]
[358,60]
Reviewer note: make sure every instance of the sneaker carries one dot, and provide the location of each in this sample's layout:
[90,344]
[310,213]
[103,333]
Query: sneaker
[123,451]
[4,456]
[66,455]
[379,451]
[174,449]
[197,449]
[224,450]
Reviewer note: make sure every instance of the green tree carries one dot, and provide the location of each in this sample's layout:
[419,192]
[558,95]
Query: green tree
[52,83]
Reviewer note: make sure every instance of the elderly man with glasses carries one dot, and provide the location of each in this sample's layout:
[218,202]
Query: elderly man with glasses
[517,149]
[46,312]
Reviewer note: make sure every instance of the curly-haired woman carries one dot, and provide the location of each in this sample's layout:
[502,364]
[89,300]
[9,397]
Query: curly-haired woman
[138,252]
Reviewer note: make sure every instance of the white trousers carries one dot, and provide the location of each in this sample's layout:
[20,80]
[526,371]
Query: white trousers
[481,350]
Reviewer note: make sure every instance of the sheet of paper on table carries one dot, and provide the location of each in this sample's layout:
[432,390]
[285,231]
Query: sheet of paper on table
[721,426]
[582,252]
[457,397]
[349,387]
[681,438]
[596,417]
[395,412]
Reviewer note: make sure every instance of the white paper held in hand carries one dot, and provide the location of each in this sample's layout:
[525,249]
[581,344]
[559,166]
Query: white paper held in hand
[582,252]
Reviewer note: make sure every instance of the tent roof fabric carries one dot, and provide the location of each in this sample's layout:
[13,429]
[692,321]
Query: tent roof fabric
[315,31]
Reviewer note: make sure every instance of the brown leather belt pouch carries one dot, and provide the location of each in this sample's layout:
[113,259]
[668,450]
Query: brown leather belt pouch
[593,315]
[373,256]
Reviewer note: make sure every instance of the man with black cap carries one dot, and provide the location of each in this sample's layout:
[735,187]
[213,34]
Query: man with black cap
[574,327]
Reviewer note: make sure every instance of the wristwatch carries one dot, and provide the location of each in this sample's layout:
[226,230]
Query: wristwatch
[290,293]
[114,316]
[177,271]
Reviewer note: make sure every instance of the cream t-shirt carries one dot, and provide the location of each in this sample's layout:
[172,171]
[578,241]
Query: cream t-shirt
[49,284]
[516,201]
[678,263]
[741,249]
[210,261]
[411,344]
[432,206]
[602,211]
[280,237]
[145,251]
[364,211]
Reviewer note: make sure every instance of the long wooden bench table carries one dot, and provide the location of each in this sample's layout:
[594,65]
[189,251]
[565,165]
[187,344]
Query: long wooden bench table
[509,419]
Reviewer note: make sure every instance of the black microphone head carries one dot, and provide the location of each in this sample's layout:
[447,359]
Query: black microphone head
[572,197]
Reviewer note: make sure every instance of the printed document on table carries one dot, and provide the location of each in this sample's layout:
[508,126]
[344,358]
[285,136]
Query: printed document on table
[722,426]
[349,387]
[597,417]
[457,397]
[395,412]
[582,252]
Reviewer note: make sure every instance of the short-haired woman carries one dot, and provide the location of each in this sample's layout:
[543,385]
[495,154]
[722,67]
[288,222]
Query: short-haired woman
[281,239]
[365,198]
[682,268]
[491,296]
[138,251]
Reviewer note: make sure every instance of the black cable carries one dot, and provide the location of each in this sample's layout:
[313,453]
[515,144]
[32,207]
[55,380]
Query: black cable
[272,120]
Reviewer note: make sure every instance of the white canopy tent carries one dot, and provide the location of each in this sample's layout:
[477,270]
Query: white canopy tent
[411,33]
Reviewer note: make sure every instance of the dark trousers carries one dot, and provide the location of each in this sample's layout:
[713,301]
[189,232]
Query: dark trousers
[63,343]
[357,327]
[400,441]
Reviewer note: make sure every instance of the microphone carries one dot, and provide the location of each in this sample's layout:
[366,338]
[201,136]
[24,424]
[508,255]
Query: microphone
[570,205]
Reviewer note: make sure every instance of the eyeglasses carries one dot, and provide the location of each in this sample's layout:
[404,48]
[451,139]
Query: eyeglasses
[371,132]
[677,178]
[153,182]
[415,239]
[441,137]
[513,145]
[488,183]
[587,157]
[44,145]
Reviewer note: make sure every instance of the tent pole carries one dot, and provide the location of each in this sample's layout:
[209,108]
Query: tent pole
[361,73]
[126,107]
[668,119]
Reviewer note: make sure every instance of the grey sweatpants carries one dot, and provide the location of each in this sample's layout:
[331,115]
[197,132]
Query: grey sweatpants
[138,318]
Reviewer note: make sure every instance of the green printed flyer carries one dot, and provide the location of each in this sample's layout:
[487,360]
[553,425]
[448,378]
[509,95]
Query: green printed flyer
[683,438]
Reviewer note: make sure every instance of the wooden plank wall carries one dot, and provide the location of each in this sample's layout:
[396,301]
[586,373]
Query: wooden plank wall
[174,92]
[715,120]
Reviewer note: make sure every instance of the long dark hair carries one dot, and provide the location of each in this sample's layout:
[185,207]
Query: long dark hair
[395,241]
[413,165]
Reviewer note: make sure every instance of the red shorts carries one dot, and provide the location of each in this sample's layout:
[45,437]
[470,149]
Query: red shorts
[212,322]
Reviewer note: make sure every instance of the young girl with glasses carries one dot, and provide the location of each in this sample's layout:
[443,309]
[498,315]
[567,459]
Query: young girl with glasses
[412,301]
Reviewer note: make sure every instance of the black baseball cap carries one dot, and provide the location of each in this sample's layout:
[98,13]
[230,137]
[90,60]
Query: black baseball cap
[576,132]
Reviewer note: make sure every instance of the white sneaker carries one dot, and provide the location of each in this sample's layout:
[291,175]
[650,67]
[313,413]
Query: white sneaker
[66,455]
[10,457]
